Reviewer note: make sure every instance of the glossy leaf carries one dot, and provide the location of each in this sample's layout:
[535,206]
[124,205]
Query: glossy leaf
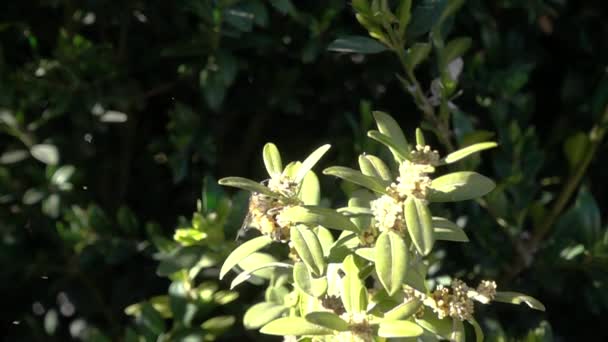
[358,178]
[399,152]
[459,186]
[354,294]
[467,151]
[367,168]
[328,320]
[309,248]
[297,326]
[244,276]
[399,329]
[356,44]
[246,184]
[391,261]
[389,127]
[518,298]
[448,231]
[262,313]
[419,225]
[403,311]
[310,162]
[381,167]
[272,160]
[314,216]
[315,287]
[242,251]
[310,191]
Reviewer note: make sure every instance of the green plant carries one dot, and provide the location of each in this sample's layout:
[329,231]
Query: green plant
[373,281]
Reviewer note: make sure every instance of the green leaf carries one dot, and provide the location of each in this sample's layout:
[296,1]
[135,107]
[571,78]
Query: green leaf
[454,49]
[325,238]
[416,55]
[45,153]
[314,216]
[315,287]
[399,329]
[430,322]
[366,253]
[354,294]
[310,191]
[297,326]
[242,251]
[424,16]
[309,248]
[367,168]
[391,261]
[420,137]
[575,147]
[404,13]
[328,320]
[518,298]
[478,331]
[459,186]
[218,324]
[180,259]
[310,162]
[244,276]
[399,152]
[381,167]
[358,178]
[448,231]
[467,151]
[262,313]
[13,156]
[458,333]
[419,225]
[356,44]
[403,311]
[247,184]
[389,127]
[272,160]
[152,319]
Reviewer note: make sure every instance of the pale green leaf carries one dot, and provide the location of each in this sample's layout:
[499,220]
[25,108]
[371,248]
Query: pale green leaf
[256,259]
[310,191]
[419,225]
[390,128]
[242,251]
[459,186]
[448,231]
[272,160]
[244,276]
[420,137]
[63,174]
[314,216]
[246,184]
[367,168]
[315,287]
[310,162]
[381,167]
[399,329]
[297,326]
[325,238]
[309,248]
[354,294]
[45,153]
[455,48]
[478,331]
[416,55]
[354,176]
[328,320]
[518,298]
[366,253]
[403,311]
[391,261]
[262,313]
[467,151]
[399,152]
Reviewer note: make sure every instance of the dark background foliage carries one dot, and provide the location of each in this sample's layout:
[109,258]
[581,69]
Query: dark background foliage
[146,98]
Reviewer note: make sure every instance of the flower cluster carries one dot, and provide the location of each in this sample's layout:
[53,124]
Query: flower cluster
[456,301]
[388,214]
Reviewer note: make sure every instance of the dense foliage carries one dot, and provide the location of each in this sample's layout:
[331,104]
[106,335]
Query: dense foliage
[115,114]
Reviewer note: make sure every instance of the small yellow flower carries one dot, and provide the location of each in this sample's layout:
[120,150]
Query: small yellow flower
[388,214]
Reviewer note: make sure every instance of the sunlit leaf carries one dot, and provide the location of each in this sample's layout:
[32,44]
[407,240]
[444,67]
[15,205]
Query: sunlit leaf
[272,160]
[242,251]
[294,326]
[399,152]
[391,259]
[314,216]
[447,230]
[399,329]
[390,128]
[459,186]
[315,287]
[354,294]
[403,311]
[310,191]
[310,162]
[467,151]
[262,313]
[419,225]
[518,298]
[246,184]
[244,276]
[309,248]
[354,176]
[328,320]
[45,153]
